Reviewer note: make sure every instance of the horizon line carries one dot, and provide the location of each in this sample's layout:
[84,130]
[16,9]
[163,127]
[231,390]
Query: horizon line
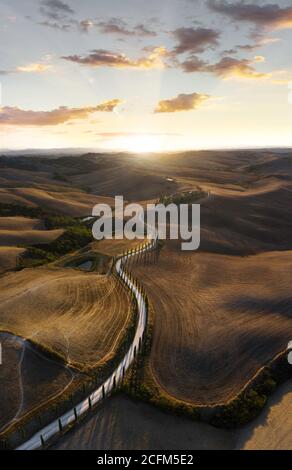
[110,151]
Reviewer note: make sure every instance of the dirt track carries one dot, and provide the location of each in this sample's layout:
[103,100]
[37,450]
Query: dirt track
[22,370]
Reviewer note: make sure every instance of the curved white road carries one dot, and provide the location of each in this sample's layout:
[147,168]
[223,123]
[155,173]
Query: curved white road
[54,428]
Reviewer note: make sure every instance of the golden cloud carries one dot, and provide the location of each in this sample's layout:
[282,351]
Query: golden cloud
[13,116]
[227,67]
[259,58]
[34,67]
[182,102]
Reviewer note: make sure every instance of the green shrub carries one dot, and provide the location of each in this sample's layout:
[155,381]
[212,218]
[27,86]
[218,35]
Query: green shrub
[61,221]
[182,198]
[74,238]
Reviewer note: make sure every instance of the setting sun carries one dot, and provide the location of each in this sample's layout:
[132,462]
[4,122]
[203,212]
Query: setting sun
[140,143]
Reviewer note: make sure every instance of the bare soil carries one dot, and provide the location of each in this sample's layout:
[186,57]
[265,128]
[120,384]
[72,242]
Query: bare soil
[218,319]
[81,316]
[8,257]
[122,424]
[23,370]
[272,430]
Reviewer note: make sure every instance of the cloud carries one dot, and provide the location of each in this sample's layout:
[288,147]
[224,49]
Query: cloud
[227,67]
[232,68]
[142,30]
[86,25]
[109,106]
[259,58]
[34,67]
[58,26]
[260,42]
[14,116]
[114,26]
[120,27]
[104,58]
[182,102]
[194,40]
[194,64]
[55,9]
[270,16]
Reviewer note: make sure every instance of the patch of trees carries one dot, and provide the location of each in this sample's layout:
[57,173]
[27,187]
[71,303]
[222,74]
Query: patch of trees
[51,221]
[60,177]
[61,221]
[187,197]
[77,234]
[250,403]
[74,238]
[14,210]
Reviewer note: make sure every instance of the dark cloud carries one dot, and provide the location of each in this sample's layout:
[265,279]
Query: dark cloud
[105,58]
[260,41]
[194,40]
[65,27]
[194,64]
[69,24]
[142,30]
[270,15]
[55,9]
[120,27]
[14,116]
[230,51]
[115,26]
[248,47]
[182,102]
[85,25]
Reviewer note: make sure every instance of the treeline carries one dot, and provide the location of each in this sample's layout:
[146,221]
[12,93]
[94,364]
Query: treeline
[51,220]
[237,412]
[250,403]
[61,221]
[77,234]
[74,238]
[182,198]
[15,210]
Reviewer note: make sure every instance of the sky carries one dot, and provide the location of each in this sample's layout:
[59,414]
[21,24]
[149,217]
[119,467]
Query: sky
[142,76]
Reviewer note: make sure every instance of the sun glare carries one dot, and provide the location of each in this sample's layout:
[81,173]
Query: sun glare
[140,143]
